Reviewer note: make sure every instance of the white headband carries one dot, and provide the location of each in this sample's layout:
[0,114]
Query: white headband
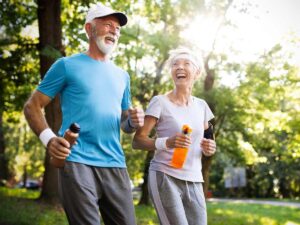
[187,57]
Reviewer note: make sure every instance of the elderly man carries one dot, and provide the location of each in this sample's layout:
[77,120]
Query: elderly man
[95,93]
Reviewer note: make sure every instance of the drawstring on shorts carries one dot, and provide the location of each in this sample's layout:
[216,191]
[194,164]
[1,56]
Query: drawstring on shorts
[187,187]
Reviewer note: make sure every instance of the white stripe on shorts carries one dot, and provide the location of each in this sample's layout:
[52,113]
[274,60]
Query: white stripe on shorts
[156,198]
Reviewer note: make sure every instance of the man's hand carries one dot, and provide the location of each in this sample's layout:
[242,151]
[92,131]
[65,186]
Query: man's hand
[208,147]
[59,148]
[136,117]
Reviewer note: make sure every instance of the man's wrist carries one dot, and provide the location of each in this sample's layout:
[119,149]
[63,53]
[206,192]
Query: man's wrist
[129,124]
[127,127]
[46,135]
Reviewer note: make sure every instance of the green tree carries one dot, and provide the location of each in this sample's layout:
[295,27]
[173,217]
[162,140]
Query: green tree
[23,149]
[255,127]
[18,53]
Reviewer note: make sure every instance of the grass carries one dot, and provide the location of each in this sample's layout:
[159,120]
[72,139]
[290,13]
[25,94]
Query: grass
[242,214]
[19,207]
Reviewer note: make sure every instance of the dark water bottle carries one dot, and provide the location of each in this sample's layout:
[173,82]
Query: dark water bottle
[209,132]
[71,136]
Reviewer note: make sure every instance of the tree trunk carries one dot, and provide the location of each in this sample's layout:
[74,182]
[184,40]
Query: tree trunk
[144,200]
[3,160]
[50,39]
[210,77]
[25,176]
[206,161]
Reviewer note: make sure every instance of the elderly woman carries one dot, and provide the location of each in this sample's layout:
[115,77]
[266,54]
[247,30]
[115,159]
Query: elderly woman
[177,193]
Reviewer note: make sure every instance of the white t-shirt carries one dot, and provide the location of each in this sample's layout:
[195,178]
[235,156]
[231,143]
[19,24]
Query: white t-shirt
[171,118]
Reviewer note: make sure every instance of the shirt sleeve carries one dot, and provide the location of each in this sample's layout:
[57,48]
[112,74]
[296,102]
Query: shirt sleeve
[126,101]
[208,115]
[54,80]
[154,109]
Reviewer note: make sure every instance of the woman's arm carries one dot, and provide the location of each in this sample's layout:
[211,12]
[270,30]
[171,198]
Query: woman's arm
[141,138]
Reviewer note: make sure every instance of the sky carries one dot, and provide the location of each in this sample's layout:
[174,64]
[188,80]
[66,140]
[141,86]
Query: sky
[267,24]
[264,24]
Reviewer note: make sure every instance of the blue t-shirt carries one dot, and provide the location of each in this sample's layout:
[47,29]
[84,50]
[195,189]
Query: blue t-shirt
[93,94]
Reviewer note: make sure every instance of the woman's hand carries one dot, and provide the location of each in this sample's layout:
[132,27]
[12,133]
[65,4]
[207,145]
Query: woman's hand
[208,147]
[179,141]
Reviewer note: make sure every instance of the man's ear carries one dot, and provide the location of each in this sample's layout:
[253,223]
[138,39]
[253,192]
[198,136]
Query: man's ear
[88,29]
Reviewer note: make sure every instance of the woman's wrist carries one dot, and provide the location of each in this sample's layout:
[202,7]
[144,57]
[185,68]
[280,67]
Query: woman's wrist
[161,143]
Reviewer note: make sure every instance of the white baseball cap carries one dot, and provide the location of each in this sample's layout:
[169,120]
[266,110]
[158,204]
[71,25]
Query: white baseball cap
[101,10]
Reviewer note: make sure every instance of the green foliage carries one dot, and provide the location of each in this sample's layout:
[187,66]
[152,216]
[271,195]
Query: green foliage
[24,150]
[135,160]
[18,193]
[18,54]
[255,129]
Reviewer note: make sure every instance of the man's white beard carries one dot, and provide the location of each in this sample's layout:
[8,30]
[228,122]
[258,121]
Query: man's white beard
[103,47]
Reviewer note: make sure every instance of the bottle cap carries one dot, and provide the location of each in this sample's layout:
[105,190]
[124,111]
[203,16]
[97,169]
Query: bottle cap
[75,128]
[186,129]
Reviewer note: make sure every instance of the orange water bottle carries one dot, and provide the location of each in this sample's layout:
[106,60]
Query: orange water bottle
[180,154]
[70,135]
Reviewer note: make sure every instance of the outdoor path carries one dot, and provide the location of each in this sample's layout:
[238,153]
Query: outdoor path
[255,201]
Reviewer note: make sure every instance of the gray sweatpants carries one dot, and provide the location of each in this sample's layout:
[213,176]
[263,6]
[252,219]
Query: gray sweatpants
[84,190]
[177,202]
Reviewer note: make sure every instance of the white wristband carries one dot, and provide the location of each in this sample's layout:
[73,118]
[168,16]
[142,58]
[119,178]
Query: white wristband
[161,143]
[46,135]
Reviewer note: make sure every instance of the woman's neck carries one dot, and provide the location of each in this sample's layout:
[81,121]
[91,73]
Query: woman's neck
[180,97]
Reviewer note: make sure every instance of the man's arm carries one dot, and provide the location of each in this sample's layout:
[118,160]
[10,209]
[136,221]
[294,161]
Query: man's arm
[33,111]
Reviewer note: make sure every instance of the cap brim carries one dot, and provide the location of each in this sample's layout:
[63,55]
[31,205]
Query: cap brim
[121,17]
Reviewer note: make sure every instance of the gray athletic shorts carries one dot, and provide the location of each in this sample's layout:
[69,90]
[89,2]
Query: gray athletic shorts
[85,190]
[177,202]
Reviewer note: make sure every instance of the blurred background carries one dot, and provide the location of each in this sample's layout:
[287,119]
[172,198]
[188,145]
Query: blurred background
[251,54]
